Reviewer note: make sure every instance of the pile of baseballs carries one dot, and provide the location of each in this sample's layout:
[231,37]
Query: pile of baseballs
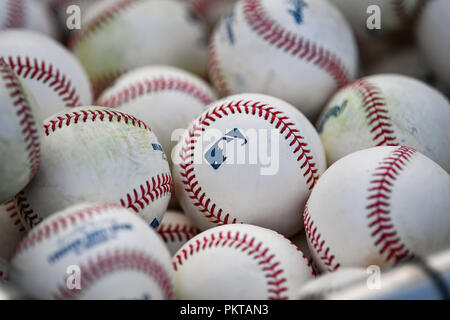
[218,149]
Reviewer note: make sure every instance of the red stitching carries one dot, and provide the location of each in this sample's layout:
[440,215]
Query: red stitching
[10,207]
[32,68]
[319,245]
[24,113]
[379,206]
[201,7]
[152,190]
[376,113]
[215,71]
[171,233]
[15,14]
[120,259]
[94,115]
[137,200]
[266,260]
[298,46]
[149,86]
[282,122]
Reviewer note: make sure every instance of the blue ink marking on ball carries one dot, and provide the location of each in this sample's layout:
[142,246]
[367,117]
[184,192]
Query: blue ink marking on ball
[332,112]
[297,11]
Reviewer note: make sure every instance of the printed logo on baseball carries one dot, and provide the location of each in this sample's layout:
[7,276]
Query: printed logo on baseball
[98,154]
[297,50]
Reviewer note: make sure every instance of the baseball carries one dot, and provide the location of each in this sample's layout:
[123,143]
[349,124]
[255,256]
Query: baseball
[258,264]
[379,206]
[299,51]
[27,14]
[145,32]
[383,110]
[106,244]
[166,98]
[328,283]
[19,138]
[433,39]
[246,158]
[211,10]
[11,229]
[98,154]
[175,230]
[394,15]
[52,74]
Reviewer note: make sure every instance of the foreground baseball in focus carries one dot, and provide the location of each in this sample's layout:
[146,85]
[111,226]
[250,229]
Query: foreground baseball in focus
[248,158]
[52,74]
[239,262]
[145,32]
[27,14]
[98,154]
[387,110]
[165,98]
[379,206]
[19,138]
[93,251]
[176,229]
[299,51]
[433,38]
[370,18]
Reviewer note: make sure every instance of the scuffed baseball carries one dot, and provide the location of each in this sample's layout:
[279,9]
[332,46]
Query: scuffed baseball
[52,74]
[27,14]
[433,39]
[11,229]
[98,154]
[175,230]
[116,254]
[248,158]
[387,109]
[145,32]
[298,51]
[258,263]
[378,206]
[19,138]
[166,98]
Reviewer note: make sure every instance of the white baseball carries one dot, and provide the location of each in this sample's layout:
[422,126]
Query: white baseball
[392,15]
[19,138]
[239,262]
[433,39]
[248,158]
[98,154]
[379,206]
[212,10]
[329,283]
[27,14]
[165,98]
[11,229]
[387,110]
[51,73]
[145,32]
[296,50]
[116,255]
[175,230]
